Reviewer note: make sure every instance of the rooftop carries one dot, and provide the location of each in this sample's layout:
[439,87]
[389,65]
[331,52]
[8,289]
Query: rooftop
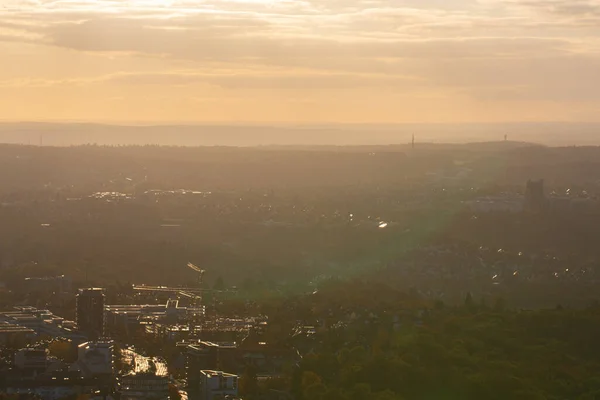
[98,343]
[93,290]
[221,345]
[10,328]
[211,374]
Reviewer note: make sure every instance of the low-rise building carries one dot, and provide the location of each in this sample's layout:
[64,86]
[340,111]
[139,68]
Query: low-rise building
[54,386]
[15,335]
[48,284]
[148,380]
[171,333]
[31,359]
[128,318]
[146,385]
[42,322]
[207,356]
[216,385]
[96,358]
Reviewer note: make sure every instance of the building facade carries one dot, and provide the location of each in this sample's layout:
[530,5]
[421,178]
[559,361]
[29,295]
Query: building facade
[206,356]
[217,385]
[145,386]
[41,322]
[96,358]
[90,312]
[31,359]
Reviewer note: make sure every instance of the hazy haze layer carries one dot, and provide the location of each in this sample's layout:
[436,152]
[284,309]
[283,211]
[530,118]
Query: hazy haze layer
[53,134]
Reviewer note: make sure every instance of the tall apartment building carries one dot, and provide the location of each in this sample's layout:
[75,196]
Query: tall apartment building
[90,312]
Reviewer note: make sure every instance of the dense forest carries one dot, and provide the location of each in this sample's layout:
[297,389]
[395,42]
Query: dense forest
[396,346]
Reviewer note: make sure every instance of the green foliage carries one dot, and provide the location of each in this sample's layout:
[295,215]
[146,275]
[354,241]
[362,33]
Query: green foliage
[174,393]
[315,391]
[469,303]
[219,284]
[468,353]
[63,350]
[249,382]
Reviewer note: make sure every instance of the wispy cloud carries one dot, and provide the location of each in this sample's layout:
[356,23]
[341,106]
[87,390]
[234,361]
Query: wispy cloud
[501,50]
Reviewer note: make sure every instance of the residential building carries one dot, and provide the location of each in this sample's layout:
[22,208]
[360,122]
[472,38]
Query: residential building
[127,319]
[31,359]
[50,284]
[96,358]
[42,322]
[146,385]
[207,356]
[90,312]
[216,385]
[13,335]
[52,386]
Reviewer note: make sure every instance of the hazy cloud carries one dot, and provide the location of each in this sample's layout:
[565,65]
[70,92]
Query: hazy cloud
[492,50]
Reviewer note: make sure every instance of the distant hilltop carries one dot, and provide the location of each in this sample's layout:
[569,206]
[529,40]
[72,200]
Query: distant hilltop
[69,134]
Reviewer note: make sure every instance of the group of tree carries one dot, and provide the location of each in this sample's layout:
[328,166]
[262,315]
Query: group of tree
[472,351]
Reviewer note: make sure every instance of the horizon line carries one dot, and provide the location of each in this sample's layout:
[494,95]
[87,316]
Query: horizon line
[284,123]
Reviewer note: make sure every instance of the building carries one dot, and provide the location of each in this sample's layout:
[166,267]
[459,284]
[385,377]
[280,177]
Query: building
[148,380]
[51,284]
[266,359]
[172,333]
[31,359]
[41,322]
[207,356]
[90,312]
[49,386]
[96,358]
[228,329]
[12,335]
[217,385]
[146,385]
[126,319]
[534,196]
[496,204]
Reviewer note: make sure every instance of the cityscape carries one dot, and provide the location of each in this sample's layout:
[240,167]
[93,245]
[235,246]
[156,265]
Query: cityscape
[125,286]
[102,354]
[299,200]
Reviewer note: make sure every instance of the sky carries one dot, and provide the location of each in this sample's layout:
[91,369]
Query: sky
[300,61]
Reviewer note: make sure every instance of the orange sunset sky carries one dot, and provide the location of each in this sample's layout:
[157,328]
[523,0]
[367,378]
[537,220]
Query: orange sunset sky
[347,61]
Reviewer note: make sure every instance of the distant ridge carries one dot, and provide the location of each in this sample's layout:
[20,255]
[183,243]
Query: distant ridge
[68,134]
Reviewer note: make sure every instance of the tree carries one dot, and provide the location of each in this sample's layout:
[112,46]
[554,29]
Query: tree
[309,378]
[249,382]
[174,393]
[296,384]
[385,395]
[469,303]
[439,304]
[335,394]
[219,284]
[500,305]
[63,350]
[361,391]
[315,391]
